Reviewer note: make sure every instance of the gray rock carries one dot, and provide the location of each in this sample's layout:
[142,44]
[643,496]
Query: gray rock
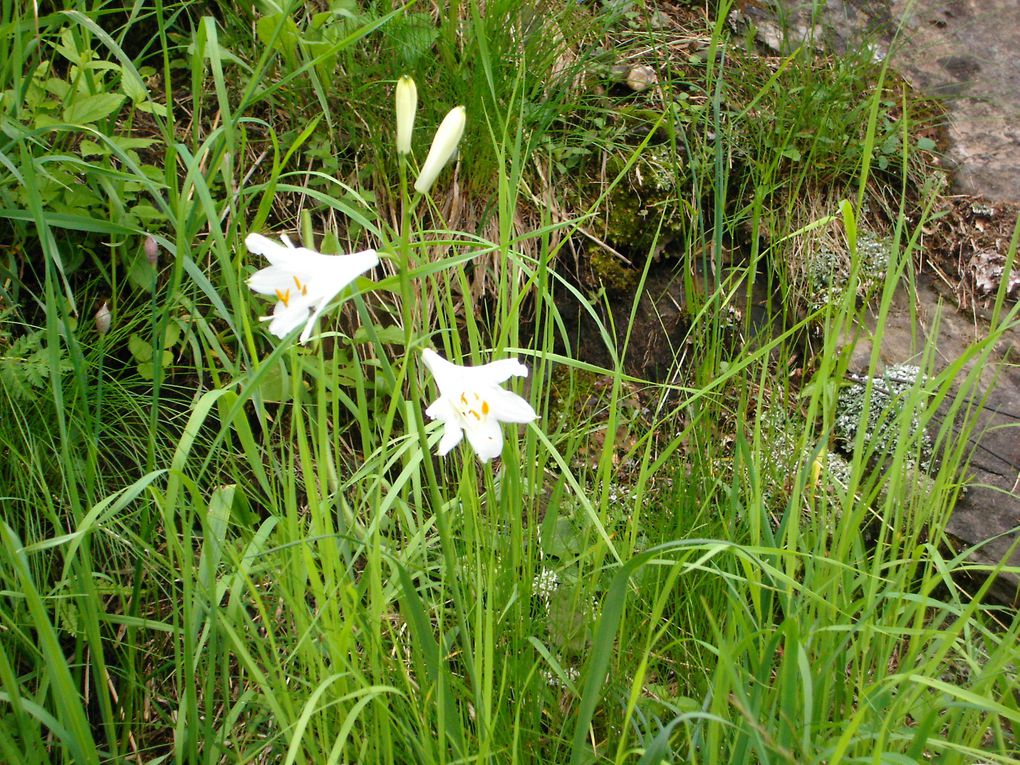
[961,50]
[986,519]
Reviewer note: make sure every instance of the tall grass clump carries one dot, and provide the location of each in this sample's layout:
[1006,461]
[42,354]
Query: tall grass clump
[232,540]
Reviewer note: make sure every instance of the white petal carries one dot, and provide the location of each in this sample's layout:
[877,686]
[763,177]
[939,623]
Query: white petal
[507,406]
[261,245]
[296,259]
[452,435]
[330,276]
[270,279]
[313,318]
[347,268]
[449,377]
[309,264]
[486,439]
[286,319]
[441,409]
[286,255]
[454,378]
[496,372]
[341,271]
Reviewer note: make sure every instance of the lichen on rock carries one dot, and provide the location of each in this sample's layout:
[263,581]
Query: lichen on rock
[886,401]
[827,270]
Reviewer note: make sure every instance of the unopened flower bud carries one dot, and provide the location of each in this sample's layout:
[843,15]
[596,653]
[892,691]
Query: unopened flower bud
[103,319]
[152,250]
[407,104]
[443,147]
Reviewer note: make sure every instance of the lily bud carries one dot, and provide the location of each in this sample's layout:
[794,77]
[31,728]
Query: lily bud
[407,104]
[103,319]
[151,250]
[443,147]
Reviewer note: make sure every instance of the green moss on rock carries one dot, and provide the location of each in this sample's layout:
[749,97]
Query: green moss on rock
[648,194]
[611,272]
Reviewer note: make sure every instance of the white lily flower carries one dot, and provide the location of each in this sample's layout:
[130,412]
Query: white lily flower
[443,147]
[407,103]
[303,281]
[472,403]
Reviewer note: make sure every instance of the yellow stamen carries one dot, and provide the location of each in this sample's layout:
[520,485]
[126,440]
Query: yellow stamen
[477,416]
[485,407]
[300,286]
[463,399]
[284,296]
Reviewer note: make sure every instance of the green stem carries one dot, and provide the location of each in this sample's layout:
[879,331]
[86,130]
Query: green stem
[414,412]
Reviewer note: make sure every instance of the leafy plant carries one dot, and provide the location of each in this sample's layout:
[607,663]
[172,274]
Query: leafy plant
[25,365]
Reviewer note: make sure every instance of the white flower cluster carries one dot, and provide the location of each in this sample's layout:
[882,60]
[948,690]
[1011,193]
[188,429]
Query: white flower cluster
[553,680]
[304,282]
[544,584]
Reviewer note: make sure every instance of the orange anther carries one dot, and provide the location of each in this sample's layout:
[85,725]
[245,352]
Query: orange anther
[284,296]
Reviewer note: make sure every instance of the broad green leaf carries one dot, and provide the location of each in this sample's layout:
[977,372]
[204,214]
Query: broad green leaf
[147,213]
[58,87]
[286,39]
[275,384]
[44,121]
[83,111]
[568,622]
[133,87]
[146,370]
[126,143]
[140,272]
[387,335]
[140,349]
[151,107]
[89,148]
[173,334]
[68,47]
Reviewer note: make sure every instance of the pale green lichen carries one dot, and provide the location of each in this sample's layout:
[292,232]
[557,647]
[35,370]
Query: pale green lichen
[829,270]
[892,397]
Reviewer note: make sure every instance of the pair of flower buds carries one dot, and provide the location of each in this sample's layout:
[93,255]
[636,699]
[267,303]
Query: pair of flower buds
[471,402]
[445,142]
[304,281]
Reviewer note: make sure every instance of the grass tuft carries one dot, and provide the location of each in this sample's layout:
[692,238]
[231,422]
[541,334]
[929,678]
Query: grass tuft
[717,543]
